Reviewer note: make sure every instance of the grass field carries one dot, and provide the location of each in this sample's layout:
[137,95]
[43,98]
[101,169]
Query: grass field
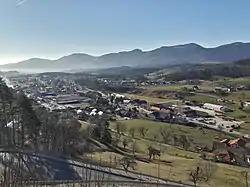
[199,137]
[168,87]
[201,98]
[178,162]
[237,96]
[174,163]
[147,98]
[235,81]
[176,166]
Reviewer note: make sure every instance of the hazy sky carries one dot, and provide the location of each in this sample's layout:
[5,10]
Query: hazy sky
[52,28]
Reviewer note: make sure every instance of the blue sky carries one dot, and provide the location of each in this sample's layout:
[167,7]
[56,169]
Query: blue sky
[53,28]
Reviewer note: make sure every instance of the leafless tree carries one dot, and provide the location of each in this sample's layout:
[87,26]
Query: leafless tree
[208,170]
[125,143]
[134,147]
[152,152]
[176,139]
[132,132]
[165,134]
[143,131]
[184,140]
[127,163]
[195,175]
[203,172]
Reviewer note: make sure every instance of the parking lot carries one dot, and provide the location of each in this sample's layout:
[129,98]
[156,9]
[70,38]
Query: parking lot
[216,122]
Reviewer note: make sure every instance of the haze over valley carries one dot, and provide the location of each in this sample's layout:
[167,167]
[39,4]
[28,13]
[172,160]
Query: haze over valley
[124,93]
[191,53]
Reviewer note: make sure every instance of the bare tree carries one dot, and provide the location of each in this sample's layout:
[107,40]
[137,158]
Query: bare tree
[132,132]
[208,170]
[176,139]
[143,131]
[125,143]
[195,175]
[203,172]
[165,134]
[152,152]
[127,163]
[184,140]
[134,147]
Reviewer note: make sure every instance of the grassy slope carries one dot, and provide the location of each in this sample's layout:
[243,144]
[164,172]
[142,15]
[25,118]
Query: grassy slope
[175,164]
[194,133]
[167,87]
[236,81]
[226,175]
[201,98]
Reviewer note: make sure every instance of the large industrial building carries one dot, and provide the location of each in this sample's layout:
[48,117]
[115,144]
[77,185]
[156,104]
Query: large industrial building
[217,108]
[70,99]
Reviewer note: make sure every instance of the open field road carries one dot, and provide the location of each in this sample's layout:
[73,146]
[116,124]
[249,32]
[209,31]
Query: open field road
[51,168]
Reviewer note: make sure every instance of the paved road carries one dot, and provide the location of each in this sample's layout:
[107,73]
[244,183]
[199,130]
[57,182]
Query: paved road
[219,122]
[215,127]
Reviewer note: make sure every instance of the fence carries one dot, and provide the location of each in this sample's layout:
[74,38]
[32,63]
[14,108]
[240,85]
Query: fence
[87,184]
[19,169]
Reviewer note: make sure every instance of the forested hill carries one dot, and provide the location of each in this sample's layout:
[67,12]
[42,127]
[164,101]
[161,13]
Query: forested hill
[235,69]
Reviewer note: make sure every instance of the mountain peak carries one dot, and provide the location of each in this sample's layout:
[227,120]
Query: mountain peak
[137,51]
[163,56]
[189,45]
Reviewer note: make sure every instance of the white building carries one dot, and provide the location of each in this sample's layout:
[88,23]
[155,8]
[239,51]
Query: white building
[217,108]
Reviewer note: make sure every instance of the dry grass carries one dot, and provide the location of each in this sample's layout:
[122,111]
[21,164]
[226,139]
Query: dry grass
[198,136]
[178,169]
[201,98]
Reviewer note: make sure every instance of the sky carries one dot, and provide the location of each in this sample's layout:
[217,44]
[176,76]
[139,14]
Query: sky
[55,28]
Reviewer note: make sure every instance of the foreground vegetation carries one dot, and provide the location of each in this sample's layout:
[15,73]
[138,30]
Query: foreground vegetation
[174,163]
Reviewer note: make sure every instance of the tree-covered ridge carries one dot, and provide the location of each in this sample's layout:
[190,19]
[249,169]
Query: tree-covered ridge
[209,71]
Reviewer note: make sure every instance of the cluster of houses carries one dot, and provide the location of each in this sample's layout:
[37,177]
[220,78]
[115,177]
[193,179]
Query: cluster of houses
[232,152]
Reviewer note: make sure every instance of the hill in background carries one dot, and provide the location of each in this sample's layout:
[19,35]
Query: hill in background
[161,57]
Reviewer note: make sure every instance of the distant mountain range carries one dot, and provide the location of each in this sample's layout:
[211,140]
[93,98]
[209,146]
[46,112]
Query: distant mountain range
[160,57]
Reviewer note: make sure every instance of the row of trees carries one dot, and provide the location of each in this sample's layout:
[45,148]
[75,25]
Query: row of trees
[165,135]
[27,125]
